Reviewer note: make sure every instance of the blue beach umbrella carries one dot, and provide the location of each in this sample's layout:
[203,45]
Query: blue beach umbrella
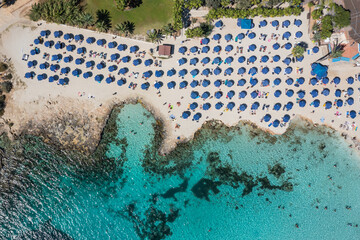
[49,43]
[277,93]
[242,94]
[255,106]
[53,78]
[289,93]
[122,47]
[230,105]
[300,80]
[288,46]
[297,22]
[76,72]
[158,85]
[302,103]
[286,118]
[338,93]
[289,81]
[123,70]
[205,41]
[194,83]
[217,71]
[252,59]
[90,64]
[287,61]
[241,59]
[219,105]
[114,56]
[350,91]
[253,81]
[217,49]
[228,37]
[147,74]
[277,81]
[58,34]
[289,106]
[229,83]
[183,84]
[206,106]
[182,72]
[112,68]
[275,23]
[298,34]
[241,70]
[194,61]
[194,94]
[126,59]
[253,71]
[315,49]
[68,59]
[136,62]
[264,59]
[217,83]
[54,67]
[350,80]
[288,70]
[186,114]
[267,117]
[205,83]
[286,23]
[59,45]
[350,101]
[241,82]
[79,61]
[36,41]
[277,106]
[45,33]
[205,49]
[205,95]
[218,94]
[243,107]
[276,123]
[229,71]
[171,72]
[286,35]
[171,85]
[70,48]
[352,114]
[65,70]
[265,70]
[325,92]
[219,24]
[263,23]
[101,42]
[254,94]
[217,60]
[81,50]
[328,105]
[99,78]
[240,36]
[336,80]
[276,46]
[78,37]
[265,82]
[145,86]
[148,62]
[182,50]
[230,94]
[90,40]
[64,81]
[301,94]
[252,47]
[339,103]
[112,44]
[121,82]
[87,74]
[197,116]
[194,72]
[313,81]
[68,36]
[182,61]
[229,48]
[205,60]
[134,49]
[276,58]
[314,93]
[325,80]
[252,35]
[193,49]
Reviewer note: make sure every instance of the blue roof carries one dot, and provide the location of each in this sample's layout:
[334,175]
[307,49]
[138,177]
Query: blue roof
[245,23]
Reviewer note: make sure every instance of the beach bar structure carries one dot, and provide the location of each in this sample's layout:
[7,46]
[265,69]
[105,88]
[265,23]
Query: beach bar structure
[165,50]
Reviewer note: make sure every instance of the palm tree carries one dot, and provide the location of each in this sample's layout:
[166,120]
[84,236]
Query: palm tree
[154,35]
[129,27]
[168,29]
[120,28]
[101,26]
[337,50]
[86,19]
[35,12]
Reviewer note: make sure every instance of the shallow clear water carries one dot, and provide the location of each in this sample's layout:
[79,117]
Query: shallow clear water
[237,183]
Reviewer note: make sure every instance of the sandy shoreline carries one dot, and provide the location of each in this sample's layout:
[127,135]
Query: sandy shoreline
[39,104]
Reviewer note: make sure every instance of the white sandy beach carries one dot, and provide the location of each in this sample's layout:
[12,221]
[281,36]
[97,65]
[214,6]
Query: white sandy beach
[37,101]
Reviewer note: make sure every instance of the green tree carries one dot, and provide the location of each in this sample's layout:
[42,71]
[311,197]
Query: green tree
[101,26]
[168,29]
[326,27]
[154,35]
[103,21]
[298,51]
[337,50]
[341,16]
[316,14]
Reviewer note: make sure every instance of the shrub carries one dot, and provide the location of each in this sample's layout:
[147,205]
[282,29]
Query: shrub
[326,27]
[3,67]
[202,31]
[6,86]
[298,51]
[316,14]
[190,4]
[177,14]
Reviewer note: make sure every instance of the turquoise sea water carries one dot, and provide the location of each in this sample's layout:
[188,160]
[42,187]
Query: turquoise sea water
[228,183]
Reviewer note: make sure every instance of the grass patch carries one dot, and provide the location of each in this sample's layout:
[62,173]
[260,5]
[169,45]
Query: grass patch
[151,13]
